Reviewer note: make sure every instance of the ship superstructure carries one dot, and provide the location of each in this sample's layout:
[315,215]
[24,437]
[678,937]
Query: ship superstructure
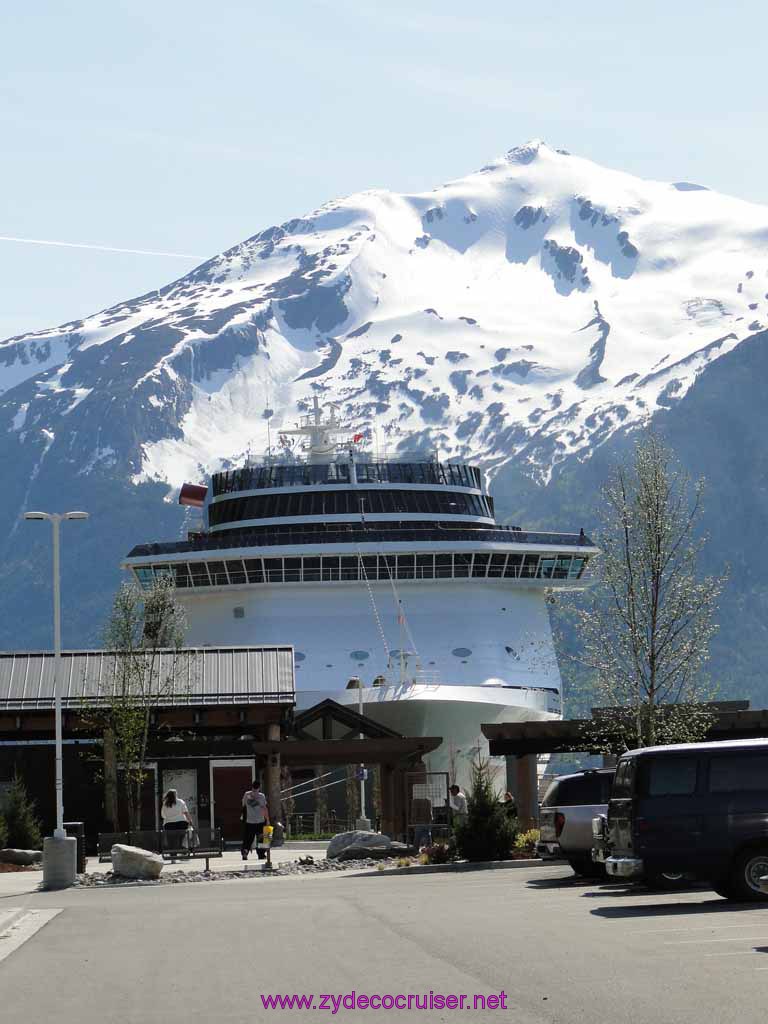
[392,569]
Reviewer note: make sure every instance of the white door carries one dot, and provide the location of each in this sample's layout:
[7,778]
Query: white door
[184,781]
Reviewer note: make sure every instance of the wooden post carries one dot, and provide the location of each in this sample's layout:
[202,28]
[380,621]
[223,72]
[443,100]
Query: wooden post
[272,782]
[110,781]
[527,792]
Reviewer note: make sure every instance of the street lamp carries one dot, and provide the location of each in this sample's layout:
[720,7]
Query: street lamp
[55,519]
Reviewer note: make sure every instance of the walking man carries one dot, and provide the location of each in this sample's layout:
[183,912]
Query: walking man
[255,817]
[458,804]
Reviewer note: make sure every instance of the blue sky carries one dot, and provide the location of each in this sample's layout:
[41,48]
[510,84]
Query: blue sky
[183,128]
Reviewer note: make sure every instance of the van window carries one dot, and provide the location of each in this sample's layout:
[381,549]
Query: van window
[738,773]
[668,776]
[622,780]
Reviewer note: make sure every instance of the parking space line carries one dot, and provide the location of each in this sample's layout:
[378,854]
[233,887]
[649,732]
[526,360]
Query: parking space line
[21,927]
[733,938]
[701,928]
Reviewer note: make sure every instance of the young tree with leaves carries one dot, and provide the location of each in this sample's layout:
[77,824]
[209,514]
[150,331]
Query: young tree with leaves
[145,632]
[647,624]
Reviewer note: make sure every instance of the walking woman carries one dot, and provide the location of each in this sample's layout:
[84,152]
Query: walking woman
[176,819]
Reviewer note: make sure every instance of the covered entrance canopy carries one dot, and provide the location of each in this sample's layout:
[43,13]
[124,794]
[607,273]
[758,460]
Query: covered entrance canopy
[329,734]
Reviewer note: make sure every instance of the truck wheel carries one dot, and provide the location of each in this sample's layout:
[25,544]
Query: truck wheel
[585,867]
[748,868]
[663,880]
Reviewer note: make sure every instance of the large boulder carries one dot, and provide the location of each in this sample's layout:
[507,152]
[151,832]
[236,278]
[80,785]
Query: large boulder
[359,840]
[23,858]
[375,852]
[132,862]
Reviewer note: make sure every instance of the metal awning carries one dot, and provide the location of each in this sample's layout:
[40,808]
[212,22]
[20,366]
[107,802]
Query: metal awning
[201,676]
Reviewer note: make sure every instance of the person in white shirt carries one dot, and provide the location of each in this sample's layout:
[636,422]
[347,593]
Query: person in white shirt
[176,819]
[458,804]
[255,817]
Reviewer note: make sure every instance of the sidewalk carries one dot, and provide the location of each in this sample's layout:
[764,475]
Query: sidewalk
[231,861]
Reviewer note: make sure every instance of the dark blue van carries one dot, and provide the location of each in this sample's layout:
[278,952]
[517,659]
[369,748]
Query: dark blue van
[699,810]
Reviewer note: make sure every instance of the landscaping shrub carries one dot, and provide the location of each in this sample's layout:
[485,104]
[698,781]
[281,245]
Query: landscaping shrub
[438,853]
[488,833]
[21,822]
[525,842]
[3,833]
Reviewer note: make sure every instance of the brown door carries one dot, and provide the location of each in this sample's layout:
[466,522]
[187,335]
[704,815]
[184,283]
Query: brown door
[229,784]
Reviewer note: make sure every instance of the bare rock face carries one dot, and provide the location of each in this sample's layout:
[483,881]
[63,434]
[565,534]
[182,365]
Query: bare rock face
[360,841]
[132,862]
[23,858]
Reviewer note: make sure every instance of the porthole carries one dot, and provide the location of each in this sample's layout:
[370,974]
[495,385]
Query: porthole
[239,612]
[461,652]
[512,652]
[299,656]
[359,655]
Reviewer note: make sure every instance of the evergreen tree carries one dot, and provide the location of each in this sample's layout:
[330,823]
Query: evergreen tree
[3,833]
[488,833]
[21,822]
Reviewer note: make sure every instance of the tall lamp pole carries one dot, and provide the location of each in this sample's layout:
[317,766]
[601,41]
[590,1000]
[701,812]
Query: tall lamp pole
[55,518]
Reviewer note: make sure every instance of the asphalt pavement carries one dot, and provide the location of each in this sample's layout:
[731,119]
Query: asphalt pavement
[534,942]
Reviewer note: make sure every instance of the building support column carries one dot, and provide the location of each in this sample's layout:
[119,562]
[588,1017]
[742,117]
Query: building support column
[527,791]
[272,772]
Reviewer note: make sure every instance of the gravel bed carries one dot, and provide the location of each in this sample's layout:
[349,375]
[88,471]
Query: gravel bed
[98,880]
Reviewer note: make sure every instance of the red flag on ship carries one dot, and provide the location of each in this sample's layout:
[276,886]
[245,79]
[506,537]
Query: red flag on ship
[193,494]
[358,437]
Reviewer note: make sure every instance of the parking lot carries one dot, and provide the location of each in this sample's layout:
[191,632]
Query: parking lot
[562,950]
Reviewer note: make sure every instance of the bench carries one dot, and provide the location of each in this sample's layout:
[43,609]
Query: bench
[171,845]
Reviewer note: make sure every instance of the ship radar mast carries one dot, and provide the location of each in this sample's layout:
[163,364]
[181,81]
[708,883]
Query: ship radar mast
[321,433]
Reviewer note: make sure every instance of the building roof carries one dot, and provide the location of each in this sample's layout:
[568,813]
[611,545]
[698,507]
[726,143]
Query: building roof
[201,675]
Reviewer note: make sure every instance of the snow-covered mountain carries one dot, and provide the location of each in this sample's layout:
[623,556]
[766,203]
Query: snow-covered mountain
[525,314]
[528,311]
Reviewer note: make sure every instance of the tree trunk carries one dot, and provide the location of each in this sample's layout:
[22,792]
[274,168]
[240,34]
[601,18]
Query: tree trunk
[110,781]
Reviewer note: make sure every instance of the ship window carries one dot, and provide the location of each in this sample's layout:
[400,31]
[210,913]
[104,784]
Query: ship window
[359,655]
[292,570]
[462,564]
[239,612]
[387,567]
[349,570]
[443,566]
[236,571]
[145,575]
[330,568]
[546,567]
[253,566]
[577,566]
[513,565]
[273,570]
[311,569]
[181,575]
[370,567]
[461,652]
[562,567]
[481,565]
[217,574]
[425,567]
[530,566]
[405,567]
[496,568]
[199,573]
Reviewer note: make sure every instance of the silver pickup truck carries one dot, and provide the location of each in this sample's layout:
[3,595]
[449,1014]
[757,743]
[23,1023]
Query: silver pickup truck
[565,818]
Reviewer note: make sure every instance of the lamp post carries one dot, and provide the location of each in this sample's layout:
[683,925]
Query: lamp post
[55,518]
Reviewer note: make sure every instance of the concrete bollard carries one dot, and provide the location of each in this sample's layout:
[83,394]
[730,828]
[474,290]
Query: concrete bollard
[59,863]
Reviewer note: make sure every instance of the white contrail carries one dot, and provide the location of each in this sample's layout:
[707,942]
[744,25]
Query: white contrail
[100,248]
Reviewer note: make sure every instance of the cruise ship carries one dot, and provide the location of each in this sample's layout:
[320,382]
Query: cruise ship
[390,570]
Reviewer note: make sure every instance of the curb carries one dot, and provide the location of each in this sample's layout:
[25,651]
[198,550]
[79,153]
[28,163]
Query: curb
[433,869]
